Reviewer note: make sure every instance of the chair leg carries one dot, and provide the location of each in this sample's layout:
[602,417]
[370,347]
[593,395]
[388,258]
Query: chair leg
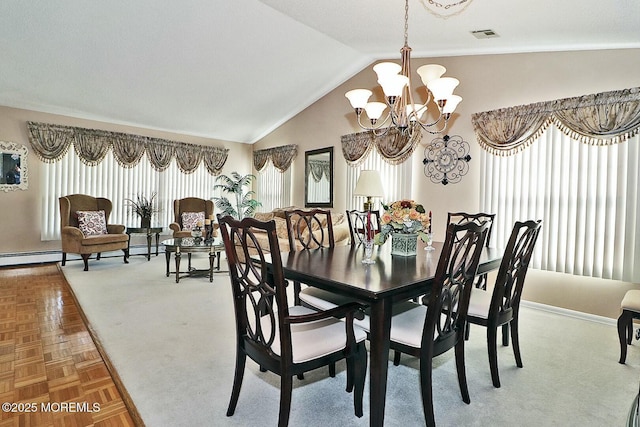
[427,391]
[98,255]
[286,387]
[359,374]
[64,258]
[396,357]
[241,360]
[85,258]
[492,338]
[467,331]
[630,331]
[625,319]
[515,339]
[332,370]
[462,372]
[126,256]
[505,335]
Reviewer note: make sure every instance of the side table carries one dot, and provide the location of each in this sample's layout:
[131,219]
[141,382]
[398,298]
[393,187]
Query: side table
[148,231]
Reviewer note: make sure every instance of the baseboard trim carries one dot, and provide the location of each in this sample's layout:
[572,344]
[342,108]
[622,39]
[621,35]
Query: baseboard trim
[570,313]
[44,257]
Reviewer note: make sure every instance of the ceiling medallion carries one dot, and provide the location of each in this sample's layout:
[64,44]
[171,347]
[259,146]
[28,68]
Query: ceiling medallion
[446,159]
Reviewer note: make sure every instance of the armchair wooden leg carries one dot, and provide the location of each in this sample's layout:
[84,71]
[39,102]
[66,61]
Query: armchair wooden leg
[98,255]
[85,258]
[64,258]
[625,319]
[126,256]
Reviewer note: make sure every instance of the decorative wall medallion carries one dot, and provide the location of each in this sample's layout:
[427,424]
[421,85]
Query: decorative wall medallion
[446,159]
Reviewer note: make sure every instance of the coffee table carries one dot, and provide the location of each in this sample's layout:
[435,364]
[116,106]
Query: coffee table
[190,245]
[148,231]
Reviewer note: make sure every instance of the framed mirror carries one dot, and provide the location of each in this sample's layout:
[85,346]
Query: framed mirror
[318,178]
[13,167]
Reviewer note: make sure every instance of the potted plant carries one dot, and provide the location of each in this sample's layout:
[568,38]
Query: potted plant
[243,205]
[144,207]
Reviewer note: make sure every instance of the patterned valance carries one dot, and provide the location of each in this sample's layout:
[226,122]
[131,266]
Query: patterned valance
[394,147]
[320,168]
[51,142]
[599,119]
[281,157]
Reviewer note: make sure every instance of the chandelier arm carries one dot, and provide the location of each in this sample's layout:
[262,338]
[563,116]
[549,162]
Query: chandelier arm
[427,126]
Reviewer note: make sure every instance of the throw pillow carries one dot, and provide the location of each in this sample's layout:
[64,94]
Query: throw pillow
[92,223]
[191,219]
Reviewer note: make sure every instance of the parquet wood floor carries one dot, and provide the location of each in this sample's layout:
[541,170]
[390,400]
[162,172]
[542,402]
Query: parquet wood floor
[52,372]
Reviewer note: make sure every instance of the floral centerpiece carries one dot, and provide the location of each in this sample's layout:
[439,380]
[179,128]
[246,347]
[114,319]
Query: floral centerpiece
[404,217]
[144,207]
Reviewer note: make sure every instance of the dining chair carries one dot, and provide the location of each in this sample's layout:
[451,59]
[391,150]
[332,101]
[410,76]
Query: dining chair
[282,339]
[501,306]
[462,217]
[427,331]
[358,224]
[308,229]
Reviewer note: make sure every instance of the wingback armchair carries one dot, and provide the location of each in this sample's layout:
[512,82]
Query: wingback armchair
[84,230]
[189,205]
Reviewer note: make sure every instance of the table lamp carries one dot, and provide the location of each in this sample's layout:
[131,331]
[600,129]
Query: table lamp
[369,185]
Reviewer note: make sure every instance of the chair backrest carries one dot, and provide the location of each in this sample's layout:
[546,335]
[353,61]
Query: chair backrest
[259,292]
[513,268]
[310,229]
[73,203]
[451,289]
[358,224]
[462,217]
[191,204]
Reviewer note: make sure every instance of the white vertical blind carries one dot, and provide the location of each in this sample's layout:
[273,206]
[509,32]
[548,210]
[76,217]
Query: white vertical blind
[273,188]
[587,197]
[396,180]
[108,179]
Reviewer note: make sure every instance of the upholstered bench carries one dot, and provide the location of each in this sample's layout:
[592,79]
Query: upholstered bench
[630,310]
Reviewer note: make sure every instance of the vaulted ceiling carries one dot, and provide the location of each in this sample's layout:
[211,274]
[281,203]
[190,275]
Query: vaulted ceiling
[237,69]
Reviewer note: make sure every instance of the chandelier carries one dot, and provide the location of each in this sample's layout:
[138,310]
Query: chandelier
[403,113]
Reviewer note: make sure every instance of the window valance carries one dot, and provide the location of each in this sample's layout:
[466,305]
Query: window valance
[281,157]
[599,119]
[51,142]
[394,147]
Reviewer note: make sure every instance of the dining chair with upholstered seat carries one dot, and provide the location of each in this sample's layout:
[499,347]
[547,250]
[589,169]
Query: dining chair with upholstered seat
[461,218]
[358,224]
[85,228]
[427,331]
[287,341]
[501,307]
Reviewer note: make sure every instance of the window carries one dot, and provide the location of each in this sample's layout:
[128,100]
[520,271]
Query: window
[395,178]
[273,188]
[108,179]
[586,195]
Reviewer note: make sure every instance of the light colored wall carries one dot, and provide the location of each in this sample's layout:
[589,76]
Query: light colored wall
[487,82]
[21,209]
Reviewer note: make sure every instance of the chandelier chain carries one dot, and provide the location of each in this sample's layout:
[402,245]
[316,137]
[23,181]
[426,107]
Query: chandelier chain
[406,22]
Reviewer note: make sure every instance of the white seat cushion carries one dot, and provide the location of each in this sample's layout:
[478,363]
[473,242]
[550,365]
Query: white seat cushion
[406,324]
[631,300]
[314,339]
[479,303]
[321,299]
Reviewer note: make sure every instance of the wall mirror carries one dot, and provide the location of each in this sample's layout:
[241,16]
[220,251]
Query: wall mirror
[318,178]
[13,167]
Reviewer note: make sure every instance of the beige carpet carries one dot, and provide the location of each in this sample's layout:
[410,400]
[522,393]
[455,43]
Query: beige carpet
[173,347]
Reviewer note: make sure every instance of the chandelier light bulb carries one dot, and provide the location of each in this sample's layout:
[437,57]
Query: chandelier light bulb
[430,72]
[443,87]
[392,85]
[451,104]
[375,109]
[358,97]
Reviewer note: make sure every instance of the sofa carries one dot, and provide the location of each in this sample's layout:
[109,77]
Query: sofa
[339,220]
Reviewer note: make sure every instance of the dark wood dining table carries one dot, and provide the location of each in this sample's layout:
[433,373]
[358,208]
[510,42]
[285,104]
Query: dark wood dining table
[390,279]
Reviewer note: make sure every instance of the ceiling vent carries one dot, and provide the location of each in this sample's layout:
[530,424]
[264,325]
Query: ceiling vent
[484,34]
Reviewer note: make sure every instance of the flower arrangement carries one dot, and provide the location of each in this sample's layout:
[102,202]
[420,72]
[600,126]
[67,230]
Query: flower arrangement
[403,216]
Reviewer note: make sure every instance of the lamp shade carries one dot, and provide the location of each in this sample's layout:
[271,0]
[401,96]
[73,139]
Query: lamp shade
[369,184]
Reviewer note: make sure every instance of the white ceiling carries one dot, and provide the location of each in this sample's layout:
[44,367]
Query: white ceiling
[236,69]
